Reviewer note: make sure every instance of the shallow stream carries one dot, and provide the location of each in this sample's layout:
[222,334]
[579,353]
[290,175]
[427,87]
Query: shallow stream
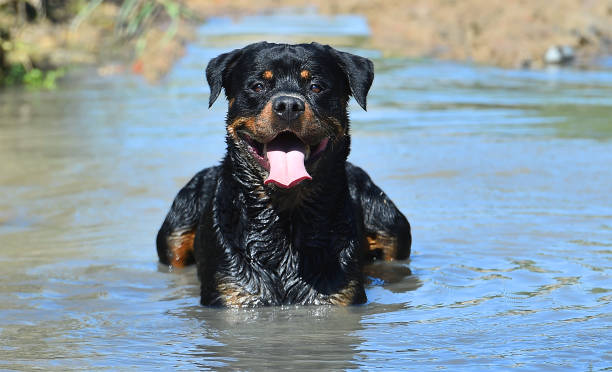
[505,176]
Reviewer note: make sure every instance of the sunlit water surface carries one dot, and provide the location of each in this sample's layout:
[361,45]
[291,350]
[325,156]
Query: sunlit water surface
[505,176]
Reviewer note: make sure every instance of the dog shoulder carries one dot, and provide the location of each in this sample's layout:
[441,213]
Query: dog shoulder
[195,194]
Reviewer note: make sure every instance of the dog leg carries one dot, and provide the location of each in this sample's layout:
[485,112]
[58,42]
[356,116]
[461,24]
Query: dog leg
[387,231]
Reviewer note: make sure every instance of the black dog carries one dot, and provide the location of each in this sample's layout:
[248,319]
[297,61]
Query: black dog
[284,219]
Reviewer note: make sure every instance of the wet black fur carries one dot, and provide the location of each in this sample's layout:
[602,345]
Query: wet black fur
[275,246]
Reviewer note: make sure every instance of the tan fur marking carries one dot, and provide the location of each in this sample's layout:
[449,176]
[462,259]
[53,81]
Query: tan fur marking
[232,295]
[248,122]
[265,117]
[339,128]
[259,126]
[384,242]
[231,102]
[268,75]
[305,74]
[261,193]
[346,295]
[308,117]
[181,245]
[231,130]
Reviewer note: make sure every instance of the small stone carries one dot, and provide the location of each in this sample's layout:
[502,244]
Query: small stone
[525,64]
[559,55]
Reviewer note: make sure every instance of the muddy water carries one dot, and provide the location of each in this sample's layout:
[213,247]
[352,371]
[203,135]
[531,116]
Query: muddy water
[504,175]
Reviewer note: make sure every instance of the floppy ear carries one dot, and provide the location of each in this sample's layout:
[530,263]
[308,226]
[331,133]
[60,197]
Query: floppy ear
[359,72]
[217,72]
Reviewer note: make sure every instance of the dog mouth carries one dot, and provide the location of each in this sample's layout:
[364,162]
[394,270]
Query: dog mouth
[285,157]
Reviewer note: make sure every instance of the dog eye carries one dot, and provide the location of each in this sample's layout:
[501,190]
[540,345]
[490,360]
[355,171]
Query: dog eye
[257,87]
[315,88]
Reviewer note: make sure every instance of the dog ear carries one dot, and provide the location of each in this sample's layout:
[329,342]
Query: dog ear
[218,71]
[359,72]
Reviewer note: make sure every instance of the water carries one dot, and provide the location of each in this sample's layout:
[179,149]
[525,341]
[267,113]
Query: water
[504,175]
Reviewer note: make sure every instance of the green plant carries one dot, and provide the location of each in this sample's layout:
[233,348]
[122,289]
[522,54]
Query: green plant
[14,74]
[33,78]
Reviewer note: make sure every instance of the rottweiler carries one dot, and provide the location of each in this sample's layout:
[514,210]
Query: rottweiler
[285,218]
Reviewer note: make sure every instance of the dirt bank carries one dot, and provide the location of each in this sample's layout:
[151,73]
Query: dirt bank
[497,32]
[504,33]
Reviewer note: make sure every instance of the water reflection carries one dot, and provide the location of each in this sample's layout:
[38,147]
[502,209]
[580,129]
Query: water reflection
[306,338]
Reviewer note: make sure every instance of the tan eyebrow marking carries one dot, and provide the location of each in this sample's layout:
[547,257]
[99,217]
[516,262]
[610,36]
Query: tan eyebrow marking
[305,74]
[268,75]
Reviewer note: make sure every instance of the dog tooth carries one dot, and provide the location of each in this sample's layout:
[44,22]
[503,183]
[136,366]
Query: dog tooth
[307,152]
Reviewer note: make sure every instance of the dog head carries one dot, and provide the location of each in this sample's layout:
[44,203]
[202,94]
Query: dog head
[288,105]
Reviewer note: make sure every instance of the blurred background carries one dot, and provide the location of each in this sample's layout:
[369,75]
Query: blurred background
[488,124]
[39,37]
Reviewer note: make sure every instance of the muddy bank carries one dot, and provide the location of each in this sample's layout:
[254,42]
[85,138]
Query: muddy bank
[494,32]
[497,32]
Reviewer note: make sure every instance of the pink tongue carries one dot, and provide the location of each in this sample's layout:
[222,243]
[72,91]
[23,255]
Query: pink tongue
[286,164]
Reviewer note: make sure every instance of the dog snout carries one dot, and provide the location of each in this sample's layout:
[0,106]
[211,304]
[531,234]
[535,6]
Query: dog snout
[288,108]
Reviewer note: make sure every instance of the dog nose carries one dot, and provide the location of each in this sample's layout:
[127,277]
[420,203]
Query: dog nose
[287,107]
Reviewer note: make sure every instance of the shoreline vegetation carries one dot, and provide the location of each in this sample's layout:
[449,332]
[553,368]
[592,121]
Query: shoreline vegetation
[39,39]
